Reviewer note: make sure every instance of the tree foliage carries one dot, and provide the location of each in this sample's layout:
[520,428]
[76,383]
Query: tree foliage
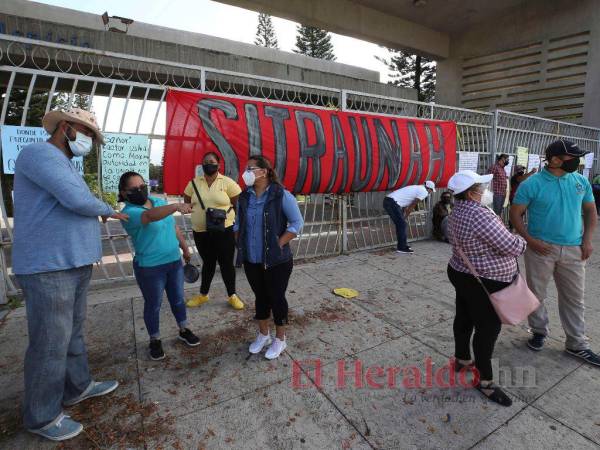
[412,71]
[314,42]
[265,32]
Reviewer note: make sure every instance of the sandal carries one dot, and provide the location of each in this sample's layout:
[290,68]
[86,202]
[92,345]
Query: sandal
[497,395]
[459,366]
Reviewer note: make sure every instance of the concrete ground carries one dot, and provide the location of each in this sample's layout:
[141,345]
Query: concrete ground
[397,331]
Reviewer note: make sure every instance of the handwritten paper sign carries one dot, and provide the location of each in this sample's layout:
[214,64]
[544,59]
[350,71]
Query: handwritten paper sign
[522,156]
[15,138]
[508,167]
[534,162]
[123,153]
[468,161]
[588,160]
[586,173]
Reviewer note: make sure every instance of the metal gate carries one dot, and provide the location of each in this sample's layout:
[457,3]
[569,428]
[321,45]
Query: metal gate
[128,93]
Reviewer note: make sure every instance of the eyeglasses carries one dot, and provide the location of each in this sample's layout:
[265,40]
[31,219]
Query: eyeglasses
[253,168]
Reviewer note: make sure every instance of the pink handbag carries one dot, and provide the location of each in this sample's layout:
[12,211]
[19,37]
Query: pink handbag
[513,303]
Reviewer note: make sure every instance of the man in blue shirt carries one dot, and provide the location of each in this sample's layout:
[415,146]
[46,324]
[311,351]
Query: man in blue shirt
[559,243]
[56,241]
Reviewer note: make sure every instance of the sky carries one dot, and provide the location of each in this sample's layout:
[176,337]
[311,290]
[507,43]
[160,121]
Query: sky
[207,17]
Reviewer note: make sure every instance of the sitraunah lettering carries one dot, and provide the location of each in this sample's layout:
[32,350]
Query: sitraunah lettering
[205,106]
[278,116]
[339,155]
[313,152]
[361,154]
[390,153]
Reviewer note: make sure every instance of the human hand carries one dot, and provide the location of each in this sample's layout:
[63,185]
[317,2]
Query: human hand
[540,247]
[187,256]
[116,215]
[184,208]
[586,250]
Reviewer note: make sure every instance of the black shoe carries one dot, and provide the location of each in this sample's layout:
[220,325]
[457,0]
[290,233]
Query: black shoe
[188,337]
[587,355]
[497,395]
[156,350]
[406,251]
[536,343]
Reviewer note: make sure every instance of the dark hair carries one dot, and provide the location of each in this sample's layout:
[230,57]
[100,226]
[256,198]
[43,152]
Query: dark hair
[264,163]
[217,157]
[124,181]
[500,156]
[463,194]
[446,193]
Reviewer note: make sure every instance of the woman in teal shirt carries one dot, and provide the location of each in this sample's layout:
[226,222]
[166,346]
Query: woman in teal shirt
[157,264]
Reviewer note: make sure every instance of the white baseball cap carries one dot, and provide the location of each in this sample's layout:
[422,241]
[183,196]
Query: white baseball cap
[430,185]
[463,180]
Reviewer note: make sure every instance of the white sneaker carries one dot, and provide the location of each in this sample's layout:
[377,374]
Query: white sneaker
[276,348]
[260,342]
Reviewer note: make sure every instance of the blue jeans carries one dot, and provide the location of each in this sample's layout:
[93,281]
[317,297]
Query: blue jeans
[56,365]
[397,215]
[498,204]
[153,282]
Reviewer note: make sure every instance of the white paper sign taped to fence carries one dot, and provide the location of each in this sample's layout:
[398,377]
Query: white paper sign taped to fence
[123,153]
[468,161]
[534,162]
[16,138]
[588,160]
[522,156]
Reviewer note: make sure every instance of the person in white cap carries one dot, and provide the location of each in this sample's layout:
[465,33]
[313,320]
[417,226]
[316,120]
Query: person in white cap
[400,203]
[56,241]
[492,251]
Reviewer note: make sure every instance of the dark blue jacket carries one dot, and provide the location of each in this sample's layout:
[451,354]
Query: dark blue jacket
[274,225]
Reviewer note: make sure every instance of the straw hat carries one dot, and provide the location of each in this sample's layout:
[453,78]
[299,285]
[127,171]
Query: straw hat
[75,115]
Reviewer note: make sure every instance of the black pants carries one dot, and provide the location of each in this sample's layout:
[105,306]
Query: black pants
[269,286]
[475,311]
[212,247]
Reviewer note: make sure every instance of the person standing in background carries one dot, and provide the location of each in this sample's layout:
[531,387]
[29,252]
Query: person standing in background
[596,191]
[499,183]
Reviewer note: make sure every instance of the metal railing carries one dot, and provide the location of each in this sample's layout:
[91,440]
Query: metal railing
[130,93]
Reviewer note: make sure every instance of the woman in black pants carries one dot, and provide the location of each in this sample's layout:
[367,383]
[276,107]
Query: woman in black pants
[492,250]
[268,219]
[221,192]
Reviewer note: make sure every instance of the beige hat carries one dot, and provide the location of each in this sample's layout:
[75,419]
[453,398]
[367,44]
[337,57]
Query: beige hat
[76,115]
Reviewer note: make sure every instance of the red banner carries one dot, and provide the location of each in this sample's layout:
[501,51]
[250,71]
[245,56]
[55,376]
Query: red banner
[312,149]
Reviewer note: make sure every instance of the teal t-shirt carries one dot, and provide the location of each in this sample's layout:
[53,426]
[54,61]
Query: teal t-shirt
[554,206]
[156,242]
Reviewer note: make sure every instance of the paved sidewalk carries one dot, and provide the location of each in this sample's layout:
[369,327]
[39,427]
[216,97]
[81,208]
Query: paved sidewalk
[216,396]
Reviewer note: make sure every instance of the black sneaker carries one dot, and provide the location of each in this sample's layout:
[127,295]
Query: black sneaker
[587,355]
[536,343]
[188,337]
[156,350]
[406,251]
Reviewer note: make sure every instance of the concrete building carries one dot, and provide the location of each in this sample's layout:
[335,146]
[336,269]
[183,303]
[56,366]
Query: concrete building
[67,26]
[539,57]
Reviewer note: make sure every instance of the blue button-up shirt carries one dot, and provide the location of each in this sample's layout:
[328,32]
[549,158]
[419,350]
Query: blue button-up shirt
[56,215]
[254,222]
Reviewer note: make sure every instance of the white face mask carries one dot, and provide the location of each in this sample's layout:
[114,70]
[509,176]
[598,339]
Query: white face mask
[249,177]
[487,198]
[82,144]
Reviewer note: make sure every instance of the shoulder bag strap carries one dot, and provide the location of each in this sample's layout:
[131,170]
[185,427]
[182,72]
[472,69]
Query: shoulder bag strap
[471,268]
[198,195]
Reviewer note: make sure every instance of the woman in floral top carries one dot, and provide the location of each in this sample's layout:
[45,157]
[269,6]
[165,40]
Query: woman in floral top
[493,252]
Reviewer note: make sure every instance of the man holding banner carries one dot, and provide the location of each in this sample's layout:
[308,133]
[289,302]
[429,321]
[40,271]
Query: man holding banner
[56,241]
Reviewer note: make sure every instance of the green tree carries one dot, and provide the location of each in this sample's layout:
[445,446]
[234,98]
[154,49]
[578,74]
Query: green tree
[265,32]
[156,173]
[412,71]
[314,42]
